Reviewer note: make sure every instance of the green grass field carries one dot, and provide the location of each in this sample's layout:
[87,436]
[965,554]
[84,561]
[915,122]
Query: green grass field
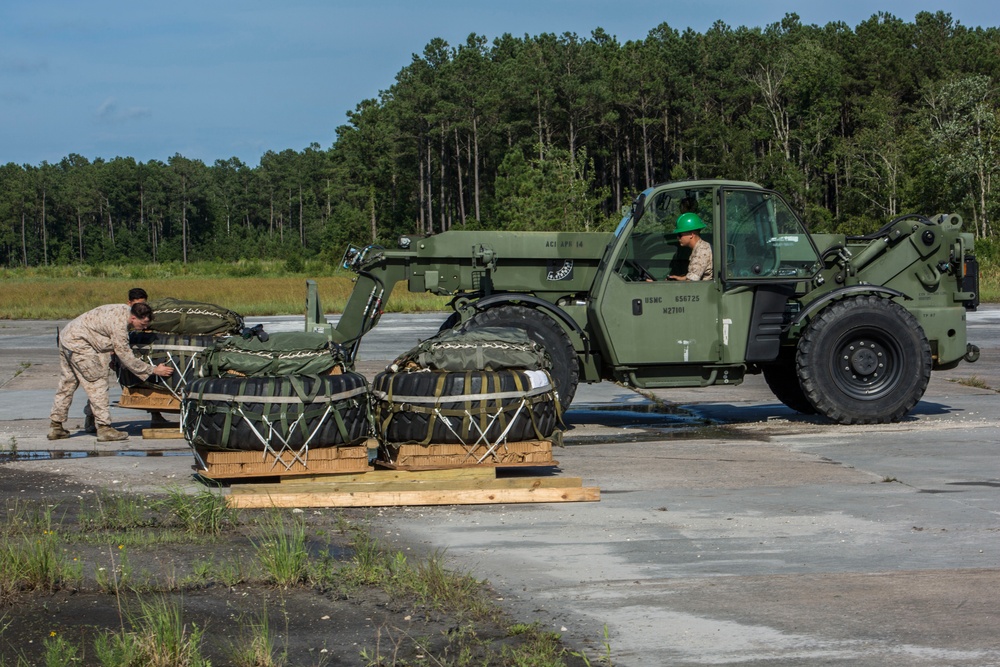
[251,289]
[64,293]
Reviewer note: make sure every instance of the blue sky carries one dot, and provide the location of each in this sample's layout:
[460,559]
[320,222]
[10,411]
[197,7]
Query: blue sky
[219,78]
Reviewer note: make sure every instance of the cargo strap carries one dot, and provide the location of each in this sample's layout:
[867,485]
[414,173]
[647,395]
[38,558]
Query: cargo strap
[477,415]
[268,431]
[183,363]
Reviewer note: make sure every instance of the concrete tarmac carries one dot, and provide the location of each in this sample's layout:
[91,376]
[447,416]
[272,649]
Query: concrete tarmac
[730,530]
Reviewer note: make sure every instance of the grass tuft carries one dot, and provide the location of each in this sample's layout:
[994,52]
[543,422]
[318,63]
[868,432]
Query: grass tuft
[158,638]
[281,548]
[205,513]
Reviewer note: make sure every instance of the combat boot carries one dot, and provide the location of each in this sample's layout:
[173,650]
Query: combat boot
[110,434]
[56,431]
[89,424]
[157,420]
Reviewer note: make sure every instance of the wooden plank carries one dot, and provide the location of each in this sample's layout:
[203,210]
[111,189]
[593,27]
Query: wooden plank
[471,466]
[415,498]
[162,433]
[336,486]
[485,472]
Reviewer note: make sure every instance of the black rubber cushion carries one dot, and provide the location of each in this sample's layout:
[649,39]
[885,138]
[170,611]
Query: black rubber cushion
[244,413]
[439,407]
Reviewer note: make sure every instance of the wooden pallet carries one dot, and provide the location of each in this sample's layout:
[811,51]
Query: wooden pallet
[323,460]
[533,453]
[149,398]
[398,488]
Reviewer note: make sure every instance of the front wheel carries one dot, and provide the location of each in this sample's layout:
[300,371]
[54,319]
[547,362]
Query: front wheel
[864,360]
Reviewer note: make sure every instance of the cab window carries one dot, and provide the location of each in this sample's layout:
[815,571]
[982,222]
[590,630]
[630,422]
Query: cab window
[651,252]
[764,238]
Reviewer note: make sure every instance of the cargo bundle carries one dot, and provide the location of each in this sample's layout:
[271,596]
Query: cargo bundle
[281,396]
[481,390]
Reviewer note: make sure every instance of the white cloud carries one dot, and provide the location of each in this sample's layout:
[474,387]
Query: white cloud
[108,112]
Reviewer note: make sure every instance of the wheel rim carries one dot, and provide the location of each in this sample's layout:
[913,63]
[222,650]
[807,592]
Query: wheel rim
[867,364]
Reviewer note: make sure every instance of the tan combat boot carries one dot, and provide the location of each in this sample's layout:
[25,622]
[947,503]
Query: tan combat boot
[56,431]
[110,434]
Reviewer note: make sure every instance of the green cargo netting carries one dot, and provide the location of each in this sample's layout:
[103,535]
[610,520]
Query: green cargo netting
[478,349]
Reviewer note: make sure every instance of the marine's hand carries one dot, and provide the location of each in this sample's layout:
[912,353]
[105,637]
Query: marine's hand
[163,371]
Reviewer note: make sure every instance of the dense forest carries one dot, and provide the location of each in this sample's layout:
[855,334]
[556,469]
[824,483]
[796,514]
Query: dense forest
[855,126]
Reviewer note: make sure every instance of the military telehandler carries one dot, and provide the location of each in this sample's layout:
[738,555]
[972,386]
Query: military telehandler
[848,327]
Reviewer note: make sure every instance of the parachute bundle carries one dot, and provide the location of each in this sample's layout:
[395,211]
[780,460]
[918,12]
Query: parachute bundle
[193,317]
[282,353]
[284,392]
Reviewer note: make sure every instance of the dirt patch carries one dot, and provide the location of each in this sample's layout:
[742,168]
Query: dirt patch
[215,582]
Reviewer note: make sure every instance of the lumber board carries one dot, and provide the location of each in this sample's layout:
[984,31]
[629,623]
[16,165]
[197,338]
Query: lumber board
[551,463]
[415,498]
[485,472]
[410,485]
[162,433]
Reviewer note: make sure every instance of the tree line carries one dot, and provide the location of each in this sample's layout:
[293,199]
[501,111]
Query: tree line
[854,125]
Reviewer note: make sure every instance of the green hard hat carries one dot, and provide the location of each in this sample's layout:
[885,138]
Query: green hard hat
[689,222]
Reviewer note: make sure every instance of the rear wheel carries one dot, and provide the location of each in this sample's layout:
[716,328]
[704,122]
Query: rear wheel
[783,380]
[546,332]
[864,360]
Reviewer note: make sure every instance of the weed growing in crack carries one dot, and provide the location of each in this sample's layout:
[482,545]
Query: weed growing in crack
[117,511]
[58,652]
[229,572]
[36,563]
[281,548]
[205,513]
[118,576]
[257,646]
[158,638]
[973,381]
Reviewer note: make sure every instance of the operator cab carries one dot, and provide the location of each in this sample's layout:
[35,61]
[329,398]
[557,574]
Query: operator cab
[710,328]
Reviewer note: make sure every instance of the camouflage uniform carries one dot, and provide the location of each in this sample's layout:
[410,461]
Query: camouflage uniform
[700,264]
[85,345]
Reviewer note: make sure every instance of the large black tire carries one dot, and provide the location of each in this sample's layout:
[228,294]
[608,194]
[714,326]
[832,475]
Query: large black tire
[783,379]
[228,413]
[864,360]
[417,407]
[546,332]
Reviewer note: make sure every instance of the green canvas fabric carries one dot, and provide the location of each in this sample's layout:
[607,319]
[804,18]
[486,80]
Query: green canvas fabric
[283,353]
[193,317]
[477,349]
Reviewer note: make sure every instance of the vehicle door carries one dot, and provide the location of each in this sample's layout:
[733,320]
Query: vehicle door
[644,317]
[766,254]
